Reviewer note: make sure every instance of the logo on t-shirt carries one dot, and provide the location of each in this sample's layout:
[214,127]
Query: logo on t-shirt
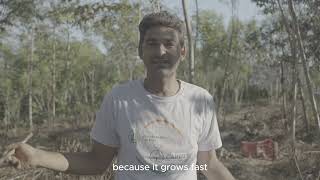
[161,142]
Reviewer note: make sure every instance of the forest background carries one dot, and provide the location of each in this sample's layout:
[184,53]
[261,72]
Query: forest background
[53,82]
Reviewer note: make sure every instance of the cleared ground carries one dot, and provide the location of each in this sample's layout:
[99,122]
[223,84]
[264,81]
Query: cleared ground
[249,123]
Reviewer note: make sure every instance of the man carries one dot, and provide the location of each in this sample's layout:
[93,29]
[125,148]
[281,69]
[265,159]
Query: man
[159,127]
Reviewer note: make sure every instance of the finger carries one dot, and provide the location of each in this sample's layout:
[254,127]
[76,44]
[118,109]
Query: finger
[8,161]
[10,148]
[16,145]
[15,162]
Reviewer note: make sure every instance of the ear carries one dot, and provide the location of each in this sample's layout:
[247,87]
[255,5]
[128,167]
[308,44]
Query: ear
[183,52]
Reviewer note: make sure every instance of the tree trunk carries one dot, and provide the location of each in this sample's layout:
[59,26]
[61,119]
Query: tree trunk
[190,41]
[293,113]
[30,79]
[294,100]
[236,96]
[68,76]
[53,82]
[292,40]
[293,119]
[304,63]
[197,27]
[305,115]
[283,93]
[92,88]
[277,91]
[271,93]
[6,112]
[226,74]
[85,88]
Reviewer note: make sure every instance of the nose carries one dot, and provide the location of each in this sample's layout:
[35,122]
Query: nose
[161,50]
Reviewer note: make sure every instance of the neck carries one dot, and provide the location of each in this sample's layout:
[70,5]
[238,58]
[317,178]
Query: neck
[164,86]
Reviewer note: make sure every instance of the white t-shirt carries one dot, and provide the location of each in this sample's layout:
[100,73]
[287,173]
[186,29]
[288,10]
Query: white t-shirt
[162,133]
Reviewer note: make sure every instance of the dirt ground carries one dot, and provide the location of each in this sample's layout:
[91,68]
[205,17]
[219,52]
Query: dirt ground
[249,123]
[258,122]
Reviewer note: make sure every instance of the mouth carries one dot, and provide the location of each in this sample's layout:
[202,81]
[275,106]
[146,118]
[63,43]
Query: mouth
[161,64]
[160,61]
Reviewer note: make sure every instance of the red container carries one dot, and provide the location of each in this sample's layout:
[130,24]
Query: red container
[266,149]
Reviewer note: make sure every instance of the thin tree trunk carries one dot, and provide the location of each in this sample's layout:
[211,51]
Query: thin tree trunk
[292,40]
[236,96]
[6,112]
[30,80]
[85,88]
[304,63]
[197,27]
[305,115]
[226,74]
[271,93]
[293,120]
[277,90]
[294,101]
[190,41]
[68,76]
[92,88]
[283,93]
[53,82]
[6,101]
[293,113]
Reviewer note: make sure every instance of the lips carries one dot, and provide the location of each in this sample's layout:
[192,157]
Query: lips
[160,61]
[161,64]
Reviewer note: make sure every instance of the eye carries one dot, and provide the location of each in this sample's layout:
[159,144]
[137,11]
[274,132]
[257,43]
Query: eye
[169,44]
[152,43]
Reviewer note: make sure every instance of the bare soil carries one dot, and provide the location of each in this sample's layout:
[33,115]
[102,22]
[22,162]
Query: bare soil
[249,123]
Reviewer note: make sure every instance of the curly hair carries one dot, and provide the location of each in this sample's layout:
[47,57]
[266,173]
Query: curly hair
[162,18]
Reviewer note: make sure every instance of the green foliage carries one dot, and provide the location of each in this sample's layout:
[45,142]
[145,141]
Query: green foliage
[14,10]
[219,61]
[72,74]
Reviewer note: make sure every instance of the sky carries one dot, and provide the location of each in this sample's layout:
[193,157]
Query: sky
[246,10]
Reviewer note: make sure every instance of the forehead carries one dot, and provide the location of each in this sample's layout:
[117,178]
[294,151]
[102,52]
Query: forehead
[160,33]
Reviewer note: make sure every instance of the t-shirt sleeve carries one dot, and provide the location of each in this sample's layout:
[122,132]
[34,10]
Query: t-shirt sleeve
[209,136]
[104,128]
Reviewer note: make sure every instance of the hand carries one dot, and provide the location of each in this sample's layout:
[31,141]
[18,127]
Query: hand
[20,156]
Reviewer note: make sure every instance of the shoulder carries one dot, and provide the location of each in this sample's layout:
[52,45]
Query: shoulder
[193,90]
[124,89]
[201,99]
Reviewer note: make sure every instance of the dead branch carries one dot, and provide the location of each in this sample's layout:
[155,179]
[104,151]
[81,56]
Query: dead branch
[311,152]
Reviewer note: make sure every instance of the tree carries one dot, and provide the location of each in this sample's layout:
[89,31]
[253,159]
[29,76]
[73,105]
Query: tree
[12,10]
[190,41]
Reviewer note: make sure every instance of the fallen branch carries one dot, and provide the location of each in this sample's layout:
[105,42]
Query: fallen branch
[311,152]
[11,152]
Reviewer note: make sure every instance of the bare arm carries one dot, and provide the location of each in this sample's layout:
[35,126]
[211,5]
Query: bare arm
[94,162]
[216,170]
[81,163]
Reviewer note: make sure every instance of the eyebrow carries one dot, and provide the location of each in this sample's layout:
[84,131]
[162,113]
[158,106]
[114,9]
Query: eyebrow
[166,39]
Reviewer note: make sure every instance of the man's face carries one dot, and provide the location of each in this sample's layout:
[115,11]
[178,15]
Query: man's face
[161,51]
